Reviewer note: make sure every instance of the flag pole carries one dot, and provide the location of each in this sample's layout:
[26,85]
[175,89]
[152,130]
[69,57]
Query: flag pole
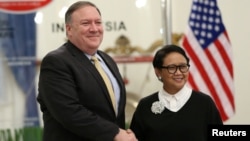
[166,21]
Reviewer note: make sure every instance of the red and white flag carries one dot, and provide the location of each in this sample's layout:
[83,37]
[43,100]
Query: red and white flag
[209,48]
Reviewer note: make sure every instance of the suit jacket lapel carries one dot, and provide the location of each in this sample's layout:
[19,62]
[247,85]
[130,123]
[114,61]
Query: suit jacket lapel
[85,63]
[118,77]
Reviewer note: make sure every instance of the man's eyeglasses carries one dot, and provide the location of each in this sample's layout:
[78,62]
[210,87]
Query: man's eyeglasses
[173,68]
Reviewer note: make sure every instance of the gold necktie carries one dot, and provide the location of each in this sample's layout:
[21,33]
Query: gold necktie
[106,80]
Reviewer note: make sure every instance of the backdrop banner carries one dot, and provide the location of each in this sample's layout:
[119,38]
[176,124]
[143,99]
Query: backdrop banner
[18,53]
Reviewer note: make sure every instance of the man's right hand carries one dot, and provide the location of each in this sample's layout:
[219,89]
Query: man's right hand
[125,135]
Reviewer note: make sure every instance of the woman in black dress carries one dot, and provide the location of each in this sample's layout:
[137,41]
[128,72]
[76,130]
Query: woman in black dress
[176,112]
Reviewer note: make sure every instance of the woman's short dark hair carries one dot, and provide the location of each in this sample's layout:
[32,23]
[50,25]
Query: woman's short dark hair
[165,50]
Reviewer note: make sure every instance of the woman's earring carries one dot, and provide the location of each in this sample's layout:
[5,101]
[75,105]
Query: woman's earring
[159,78]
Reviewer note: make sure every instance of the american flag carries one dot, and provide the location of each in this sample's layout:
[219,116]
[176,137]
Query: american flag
[208,46]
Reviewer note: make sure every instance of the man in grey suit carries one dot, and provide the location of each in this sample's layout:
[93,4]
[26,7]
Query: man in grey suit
[72,94]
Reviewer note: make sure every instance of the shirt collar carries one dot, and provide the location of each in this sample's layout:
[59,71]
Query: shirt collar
[89,56]
[179,95]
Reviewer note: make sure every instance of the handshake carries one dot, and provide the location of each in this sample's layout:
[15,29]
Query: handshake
[125,135]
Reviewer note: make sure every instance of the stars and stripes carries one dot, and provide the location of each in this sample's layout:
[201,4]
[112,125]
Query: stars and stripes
[209,48]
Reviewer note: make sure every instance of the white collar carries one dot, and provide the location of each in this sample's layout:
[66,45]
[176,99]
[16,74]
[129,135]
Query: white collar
[181,96]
